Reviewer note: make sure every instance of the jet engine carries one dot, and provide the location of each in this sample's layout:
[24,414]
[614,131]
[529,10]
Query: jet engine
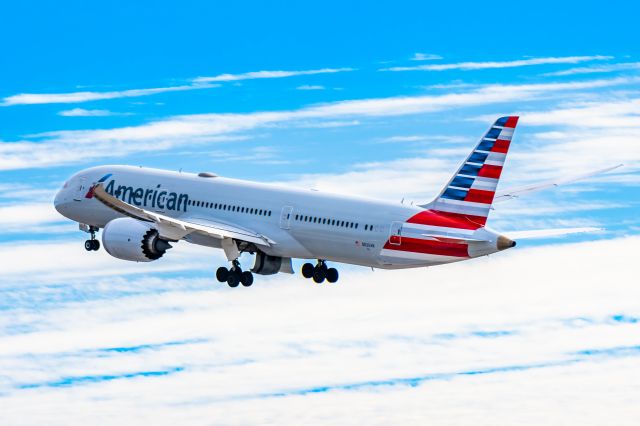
[130,239]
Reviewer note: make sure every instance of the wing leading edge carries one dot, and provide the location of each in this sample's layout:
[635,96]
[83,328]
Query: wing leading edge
[176,229]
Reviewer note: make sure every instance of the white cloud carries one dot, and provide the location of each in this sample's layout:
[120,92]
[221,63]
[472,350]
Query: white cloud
[425,57]
[467,66]
[198,83]
[23,216]
[543,334]
[63,147]
[268,74]
[310,87]
[81,112]
[77,97]
[597,69]
[59,260]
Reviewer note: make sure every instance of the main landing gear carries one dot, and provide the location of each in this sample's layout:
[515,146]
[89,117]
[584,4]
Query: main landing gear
[234,276]
[320,272]
[92,244]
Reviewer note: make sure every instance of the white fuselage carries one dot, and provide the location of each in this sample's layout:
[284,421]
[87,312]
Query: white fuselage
[301,223]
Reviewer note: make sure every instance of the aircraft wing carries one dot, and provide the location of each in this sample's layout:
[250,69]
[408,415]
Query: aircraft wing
[175,229]
[511,193]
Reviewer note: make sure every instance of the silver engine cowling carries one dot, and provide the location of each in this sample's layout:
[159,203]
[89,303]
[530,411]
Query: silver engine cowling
[130,239]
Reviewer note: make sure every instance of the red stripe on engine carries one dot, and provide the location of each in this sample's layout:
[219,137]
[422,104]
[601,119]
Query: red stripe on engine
[511,122]
[415,245]
[479,196]
[448,220]
[501,146]
[490,171]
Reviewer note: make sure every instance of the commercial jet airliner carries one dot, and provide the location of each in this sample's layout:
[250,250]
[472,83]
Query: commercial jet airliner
[142,212]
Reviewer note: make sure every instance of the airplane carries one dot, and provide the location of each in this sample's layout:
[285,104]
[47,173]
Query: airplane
[143,212]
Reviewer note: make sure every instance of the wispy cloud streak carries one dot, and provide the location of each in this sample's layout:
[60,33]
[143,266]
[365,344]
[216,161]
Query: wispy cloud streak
[595,69]
[268,74]
[78,97]
[198,83]
[61,147]
[469,66]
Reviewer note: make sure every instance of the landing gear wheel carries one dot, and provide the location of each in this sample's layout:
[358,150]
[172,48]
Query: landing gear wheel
[222,274]
[307,270]
[246,278]
[92,245]
[233,279]
[319,274]
[332,275]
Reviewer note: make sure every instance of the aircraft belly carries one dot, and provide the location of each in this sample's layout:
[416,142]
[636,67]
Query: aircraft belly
[332,246]
[397,258]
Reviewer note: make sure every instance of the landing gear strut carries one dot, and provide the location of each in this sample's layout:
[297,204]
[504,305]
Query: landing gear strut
[92,244]
[320,272]
[234,276]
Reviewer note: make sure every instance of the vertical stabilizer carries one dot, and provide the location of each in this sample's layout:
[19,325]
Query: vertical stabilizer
[469,194]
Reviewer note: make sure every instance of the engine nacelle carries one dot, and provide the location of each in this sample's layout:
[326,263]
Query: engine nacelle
[130,239]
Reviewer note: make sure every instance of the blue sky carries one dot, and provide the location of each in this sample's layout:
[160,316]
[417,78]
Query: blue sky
[382,100]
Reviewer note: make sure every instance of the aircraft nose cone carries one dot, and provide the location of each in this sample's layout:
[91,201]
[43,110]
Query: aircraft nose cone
[59,203]
[505,243]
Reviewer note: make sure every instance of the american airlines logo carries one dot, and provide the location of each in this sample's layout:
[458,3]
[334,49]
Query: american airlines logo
[156,198]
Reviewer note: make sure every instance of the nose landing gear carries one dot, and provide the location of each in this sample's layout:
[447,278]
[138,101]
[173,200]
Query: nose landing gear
[320,272]
[91,244]
[234,276]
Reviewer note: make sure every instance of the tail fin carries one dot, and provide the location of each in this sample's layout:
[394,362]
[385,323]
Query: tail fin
[470,192]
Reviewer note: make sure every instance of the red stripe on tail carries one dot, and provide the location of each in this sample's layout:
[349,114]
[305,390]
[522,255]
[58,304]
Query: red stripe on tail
[448,220]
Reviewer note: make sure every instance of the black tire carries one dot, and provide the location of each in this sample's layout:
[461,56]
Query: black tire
[88,245]
[233,280]
[222,274]
[332,275]
[246,278]
[307,270]
[319,275]
[96,245]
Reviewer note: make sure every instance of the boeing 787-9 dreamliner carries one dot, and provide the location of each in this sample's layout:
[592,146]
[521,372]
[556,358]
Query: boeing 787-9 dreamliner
[142,212]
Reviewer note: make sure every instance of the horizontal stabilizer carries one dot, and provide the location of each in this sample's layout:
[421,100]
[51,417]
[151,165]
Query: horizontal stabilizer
[547,233]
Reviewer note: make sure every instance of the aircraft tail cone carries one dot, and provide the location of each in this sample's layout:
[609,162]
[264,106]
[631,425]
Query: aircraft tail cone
[505,243]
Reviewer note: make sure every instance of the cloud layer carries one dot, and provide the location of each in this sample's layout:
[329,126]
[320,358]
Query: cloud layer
[396,345]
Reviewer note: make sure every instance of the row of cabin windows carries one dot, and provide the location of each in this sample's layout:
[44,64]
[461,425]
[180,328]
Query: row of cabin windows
[325,221]
[331,222]
[227,207]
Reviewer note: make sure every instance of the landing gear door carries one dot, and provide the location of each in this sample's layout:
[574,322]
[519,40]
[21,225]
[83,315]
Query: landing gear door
[395,234]
[285,217]
[80,189]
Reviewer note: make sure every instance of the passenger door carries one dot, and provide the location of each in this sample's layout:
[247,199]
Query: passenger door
[80,189]
[285,217]
[395,234]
